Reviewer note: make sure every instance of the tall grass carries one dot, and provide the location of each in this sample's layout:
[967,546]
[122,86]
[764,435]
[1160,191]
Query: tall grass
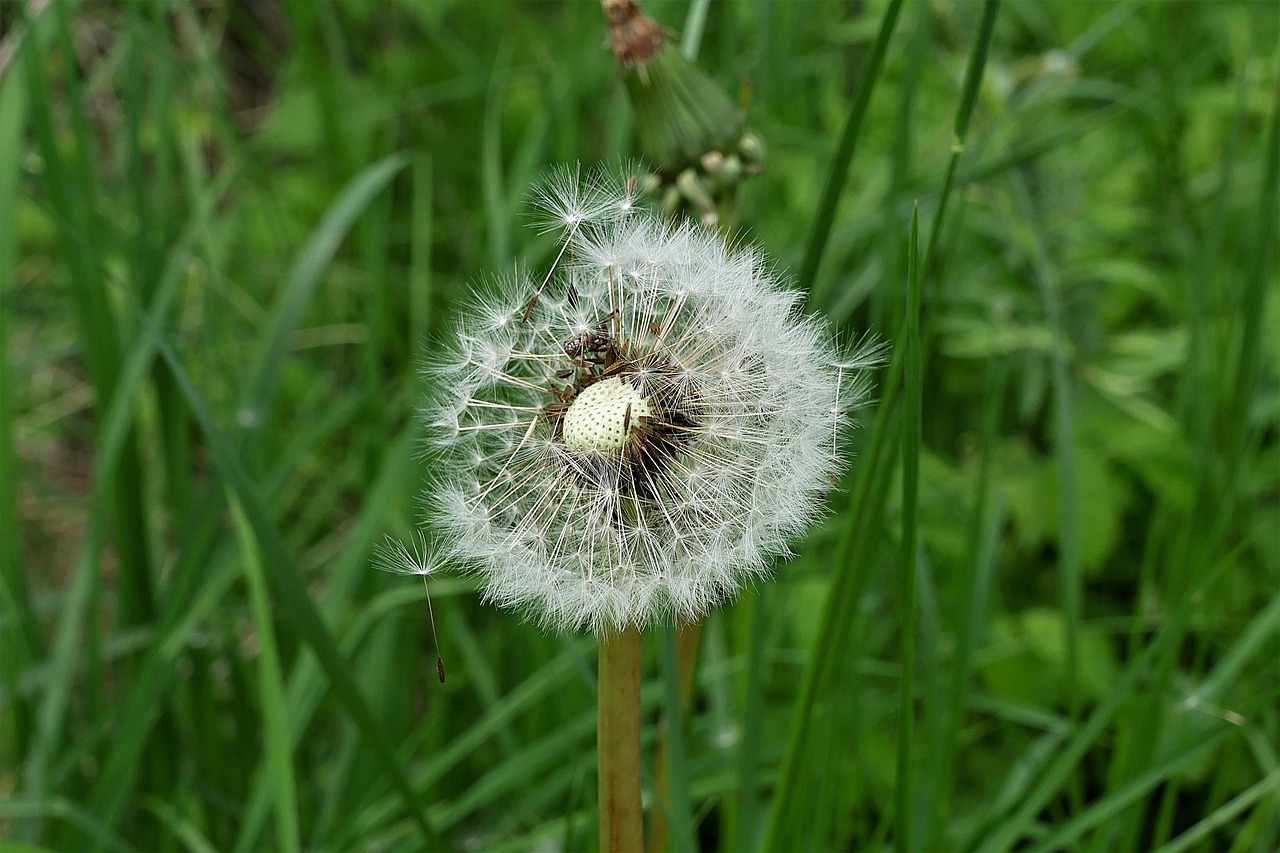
[1042,614]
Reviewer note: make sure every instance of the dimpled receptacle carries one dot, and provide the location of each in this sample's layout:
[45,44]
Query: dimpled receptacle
[598,420]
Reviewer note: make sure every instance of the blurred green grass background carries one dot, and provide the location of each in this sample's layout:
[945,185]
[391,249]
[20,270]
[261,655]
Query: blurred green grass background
[229,229]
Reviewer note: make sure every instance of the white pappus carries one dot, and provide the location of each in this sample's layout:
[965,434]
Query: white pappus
[640,433]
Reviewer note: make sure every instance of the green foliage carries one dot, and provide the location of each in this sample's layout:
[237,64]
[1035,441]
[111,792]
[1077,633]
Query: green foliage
[230,232]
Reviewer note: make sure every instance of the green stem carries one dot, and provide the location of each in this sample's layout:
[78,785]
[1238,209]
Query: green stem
[618,742]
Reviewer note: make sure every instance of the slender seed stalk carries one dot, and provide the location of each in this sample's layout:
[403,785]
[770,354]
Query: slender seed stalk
[618,742]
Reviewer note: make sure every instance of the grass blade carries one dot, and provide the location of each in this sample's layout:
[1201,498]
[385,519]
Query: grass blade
[112,438]
[982,552]
[139,712]
[835,625]
[912,403]
[292,594]
[21,643]
[820,231]
[678,807]
[62,809]
[1013,827]
[968,99]
[279,756]
[1070,573]
[305,275]
[68,176]
[1065,835]
[421,286]
[1225,813]
[747,827]
[305,687]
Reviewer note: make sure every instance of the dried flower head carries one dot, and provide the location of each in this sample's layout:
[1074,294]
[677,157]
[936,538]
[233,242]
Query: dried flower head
[640,433]
[689,130]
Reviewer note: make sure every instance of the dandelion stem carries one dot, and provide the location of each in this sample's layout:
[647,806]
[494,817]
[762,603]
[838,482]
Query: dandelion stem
[618,742]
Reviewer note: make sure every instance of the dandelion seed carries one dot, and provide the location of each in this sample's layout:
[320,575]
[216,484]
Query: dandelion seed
[392,555]
[637,435]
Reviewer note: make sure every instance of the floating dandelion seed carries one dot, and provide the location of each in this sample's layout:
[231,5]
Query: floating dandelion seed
[638,434]
[394,556]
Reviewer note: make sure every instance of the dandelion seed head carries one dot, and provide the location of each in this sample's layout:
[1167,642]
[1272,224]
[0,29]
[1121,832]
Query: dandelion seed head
[640,433]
